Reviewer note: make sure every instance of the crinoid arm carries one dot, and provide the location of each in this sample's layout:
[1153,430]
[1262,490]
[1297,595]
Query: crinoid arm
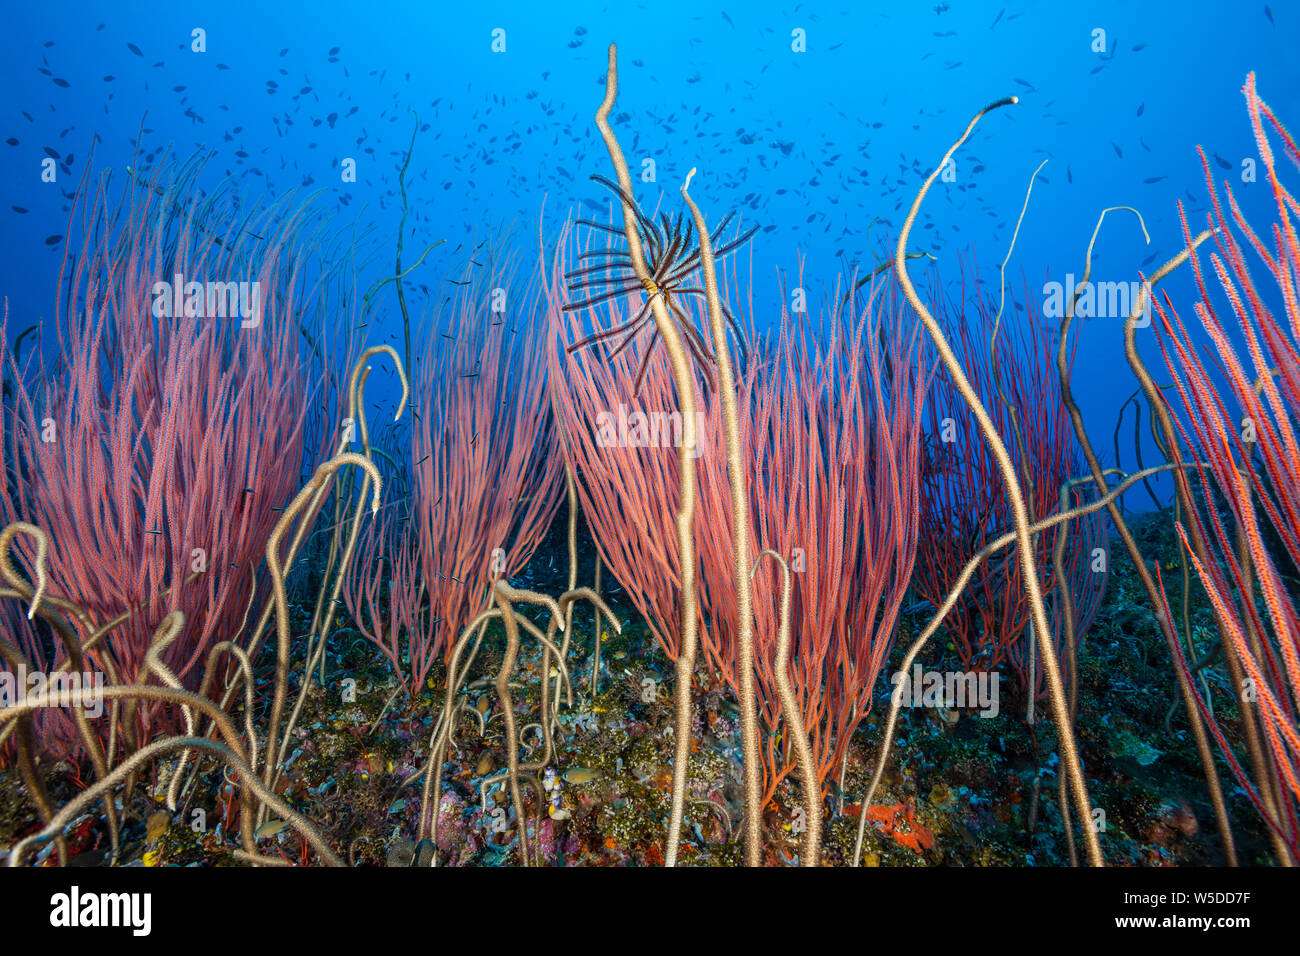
[673,256]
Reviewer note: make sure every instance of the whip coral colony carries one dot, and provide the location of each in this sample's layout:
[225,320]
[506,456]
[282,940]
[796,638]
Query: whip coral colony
[652,546]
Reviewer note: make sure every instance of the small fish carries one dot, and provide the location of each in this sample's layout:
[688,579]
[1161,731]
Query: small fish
[1222,162]
[1269,13]
[579,775]
[53,240]
[1118,152]
[1141,108]
[134,49]
[269,829]
[1154,179]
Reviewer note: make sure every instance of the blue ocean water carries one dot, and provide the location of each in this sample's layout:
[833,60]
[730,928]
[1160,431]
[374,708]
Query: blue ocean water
[815,121]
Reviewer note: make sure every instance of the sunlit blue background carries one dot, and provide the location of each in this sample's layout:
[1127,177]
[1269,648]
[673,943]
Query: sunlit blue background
[809,145]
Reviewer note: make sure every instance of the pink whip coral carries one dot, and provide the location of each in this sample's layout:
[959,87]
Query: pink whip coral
[829,429]
[963,507]
[157,445]
[1242,433]
[485,484]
